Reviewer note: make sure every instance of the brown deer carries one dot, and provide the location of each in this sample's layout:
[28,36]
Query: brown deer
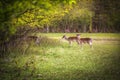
[71,39]
[34,38]
[78,39]
[84,40]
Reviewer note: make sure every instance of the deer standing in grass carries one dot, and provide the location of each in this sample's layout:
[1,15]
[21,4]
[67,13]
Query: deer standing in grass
[84,40]
[71,39]
[34,38]
[78,39]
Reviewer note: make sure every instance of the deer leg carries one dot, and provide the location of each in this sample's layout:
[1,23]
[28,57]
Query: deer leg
[90,43]
[81,44]
[78,42]
[37,41]
[70,43]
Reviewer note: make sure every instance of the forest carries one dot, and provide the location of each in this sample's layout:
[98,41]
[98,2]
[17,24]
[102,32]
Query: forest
[19,17]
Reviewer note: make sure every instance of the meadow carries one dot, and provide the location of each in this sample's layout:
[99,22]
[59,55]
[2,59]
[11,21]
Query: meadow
[55,59]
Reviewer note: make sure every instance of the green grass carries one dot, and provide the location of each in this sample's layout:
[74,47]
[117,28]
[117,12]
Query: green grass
[92,35]
[63,62]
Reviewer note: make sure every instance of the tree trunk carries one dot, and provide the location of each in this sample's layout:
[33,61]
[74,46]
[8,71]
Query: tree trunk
[84,28]
[90,27]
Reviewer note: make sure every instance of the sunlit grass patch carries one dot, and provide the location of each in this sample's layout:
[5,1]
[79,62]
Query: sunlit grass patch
[55,60]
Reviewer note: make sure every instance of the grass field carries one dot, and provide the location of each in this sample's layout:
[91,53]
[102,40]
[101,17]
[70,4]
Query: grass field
[56,60]
[92,35]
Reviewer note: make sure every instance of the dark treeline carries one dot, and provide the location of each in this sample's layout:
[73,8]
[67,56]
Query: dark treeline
[107,17]
[22,17]
[94,16]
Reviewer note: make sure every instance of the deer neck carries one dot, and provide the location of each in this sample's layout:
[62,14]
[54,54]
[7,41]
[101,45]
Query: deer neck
[66,38]
[78,37]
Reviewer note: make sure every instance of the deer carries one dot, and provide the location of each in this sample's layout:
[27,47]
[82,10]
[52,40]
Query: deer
[84,40]
[71,39]
[34,38]
[78,39]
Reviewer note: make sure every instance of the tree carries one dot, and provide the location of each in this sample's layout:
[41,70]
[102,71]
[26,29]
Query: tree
[14,14]
[107,15]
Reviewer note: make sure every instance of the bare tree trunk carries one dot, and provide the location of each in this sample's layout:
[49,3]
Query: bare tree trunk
[84,28]
[90,27]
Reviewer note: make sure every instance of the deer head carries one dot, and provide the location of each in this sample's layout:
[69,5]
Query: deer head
[64,37]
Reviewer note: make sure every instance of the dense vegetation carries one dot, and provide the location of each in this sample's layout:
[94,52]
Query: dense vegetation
[20,17]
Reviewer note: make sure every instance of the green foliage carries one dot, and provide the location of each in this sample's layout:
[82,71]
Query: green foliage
[77,14]
[29,12]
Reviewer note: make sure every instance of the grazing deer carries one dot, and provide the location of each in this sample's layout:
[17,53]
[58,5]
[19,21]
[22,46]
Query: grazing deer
[84,40]
[71,39]
[34,38]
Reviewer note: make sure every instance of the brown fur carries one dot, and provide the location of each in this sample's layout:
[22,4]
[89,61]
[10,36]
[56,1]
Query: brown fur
[78,39]
[71,39]
[85,40]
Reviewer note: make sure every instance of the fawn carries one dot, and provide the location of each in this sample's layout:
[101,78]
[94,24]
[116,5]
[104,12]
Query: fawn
[84,40]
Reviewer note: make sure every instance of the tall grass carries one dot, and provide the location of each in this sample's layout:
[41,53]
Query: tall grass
[55,60]
[92,35]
